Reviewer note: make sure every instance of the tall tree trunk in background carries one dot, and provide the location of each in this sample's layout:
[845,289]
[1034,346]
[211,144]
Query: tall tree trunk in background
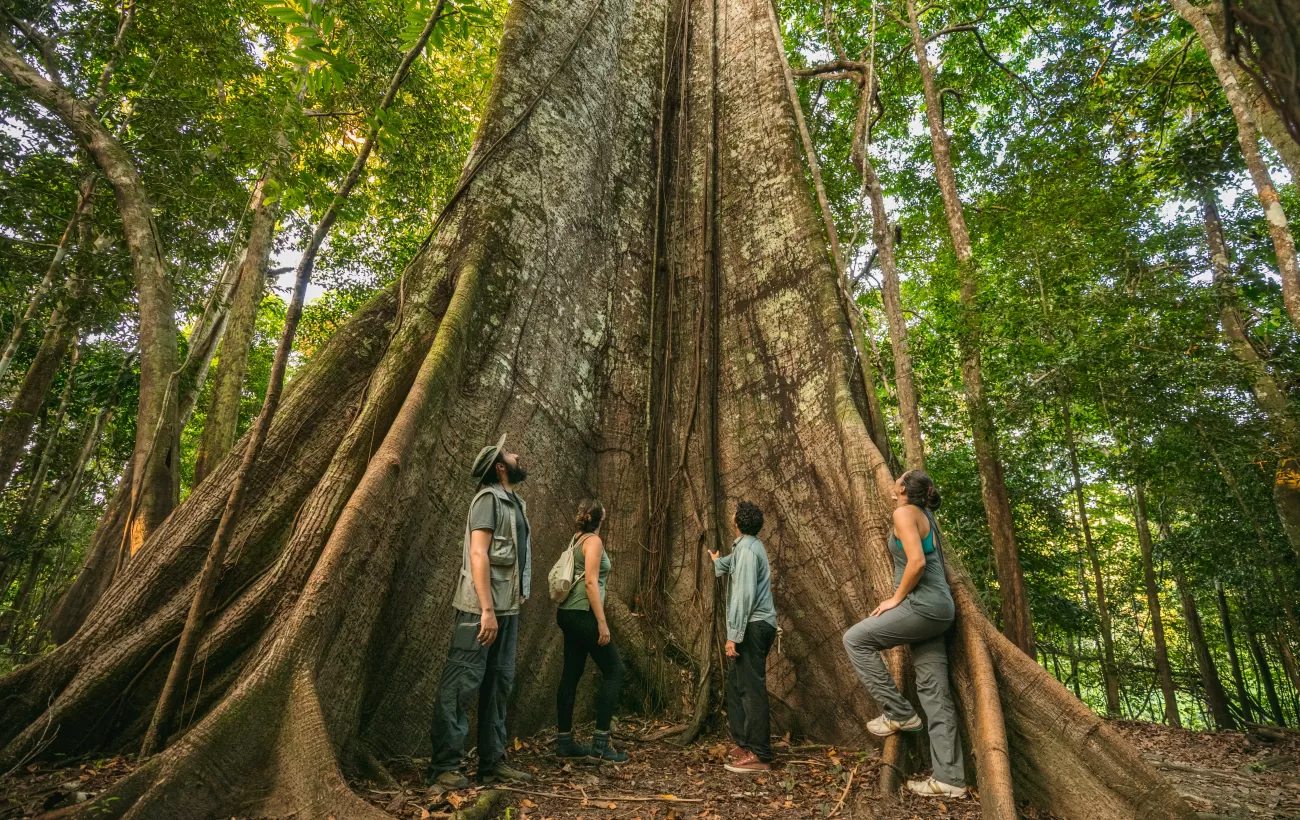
[1270,398]
[904,377]
[1215,696]
[27,513]
[326,637]
[157,467]
[1017,620]
[1164,674]
[1265,671]
[1109,669]
[1230,643]
[222,421]
[1248,139]
[16,429]
[60,253]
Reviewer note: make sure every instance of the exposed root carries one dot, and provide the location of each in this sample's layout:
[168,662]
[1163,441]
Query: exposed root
[482,808]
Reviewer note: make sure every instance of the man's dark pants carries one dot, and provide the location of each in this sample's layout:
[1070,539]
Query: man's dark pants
[747,712]
[472,668]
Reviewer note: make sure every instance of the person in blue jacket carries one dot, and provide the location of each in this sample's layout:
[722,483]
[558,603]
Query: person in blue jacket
[751,631]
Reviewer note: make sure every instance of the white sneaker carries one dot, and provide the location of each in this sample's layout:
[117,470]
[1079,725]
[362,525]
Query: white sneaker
[930,787]
[884,726]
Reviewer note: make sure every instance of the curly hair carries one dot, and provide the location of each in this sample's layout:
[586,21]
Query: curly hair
[920,490]
[749,518]
[590,513]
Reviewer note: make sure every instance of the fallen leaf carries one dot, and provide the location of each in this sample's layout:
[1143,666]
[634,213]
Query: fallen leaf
[612,806]
[455,800]
[528,804]
[518,745]
[424,813]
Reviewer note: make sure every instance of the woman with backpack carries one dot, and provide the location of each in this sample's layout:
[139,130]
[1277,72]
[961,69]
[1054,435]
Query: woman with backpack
[581,618]
[918,614]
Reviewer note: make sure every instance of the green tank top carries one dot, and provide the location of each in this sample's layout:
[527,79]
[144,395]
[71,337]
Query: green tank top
[578,595]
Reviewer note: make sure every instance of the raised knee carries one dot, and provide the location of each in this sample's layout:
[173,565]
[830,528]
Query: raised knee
[861,638]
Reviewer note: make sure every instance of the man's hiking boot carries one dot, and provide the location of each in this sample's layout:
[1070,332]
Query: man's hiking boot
[603,751]
[747,763]
[565,747]
[884,726]
[736,752]
[930,787]
[502,773]
[447,781]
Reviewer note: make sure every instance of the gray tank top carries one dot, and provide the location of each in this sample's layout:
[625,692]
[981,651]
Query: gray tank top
[931,596]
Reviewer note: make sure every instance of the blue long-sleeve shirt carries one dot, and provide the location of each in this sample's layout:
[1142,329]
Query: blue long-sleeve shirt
[749,598]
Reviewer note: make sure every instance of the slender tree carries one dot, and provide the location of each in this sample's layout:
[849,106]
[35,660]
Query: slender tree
[1017,621]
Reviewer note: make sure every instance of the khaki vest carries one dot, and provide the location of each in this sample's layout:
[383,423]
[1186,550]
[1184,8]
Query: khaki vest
[503,558]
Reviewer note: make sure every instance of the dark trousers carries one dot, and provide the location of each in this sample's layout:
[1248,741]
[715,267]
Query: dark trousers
[747,691]
[582,638]
[489,672]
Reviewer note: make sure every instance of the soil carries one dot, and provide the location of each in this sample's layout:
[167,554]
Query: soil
[1222,774]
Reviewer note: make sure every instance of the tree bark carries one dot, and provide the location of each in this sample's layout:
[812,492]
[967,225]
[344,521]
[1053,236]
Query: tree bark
[60,253]
[16,429]
[1265,190]
[154,488]
[222,421]
[1215,697]
[1270,398]
[326,637]
[883,235]
[1265,672]
[1109,671]
[1017,620]
[1230,643]
[1164,674]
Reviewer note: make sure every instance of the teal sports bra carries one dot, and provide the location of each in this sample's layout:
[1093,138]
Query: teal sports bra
[927,543]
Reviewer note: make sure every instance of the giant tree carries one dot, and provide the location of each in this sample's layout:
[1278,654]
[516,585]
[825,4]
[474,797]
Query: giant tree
[635,187]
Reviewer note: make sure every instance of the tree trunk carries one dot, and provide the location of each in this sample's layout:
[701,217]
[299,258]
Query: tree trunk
[1164,674]
[60,253]
[1109,671]
[1265,671]
[156,467]
[1215,697]
[326,637]
[908,404]
[1230,643]
[1017,620]
[16,429]
[228,385]
[1271,400]
[1265,190]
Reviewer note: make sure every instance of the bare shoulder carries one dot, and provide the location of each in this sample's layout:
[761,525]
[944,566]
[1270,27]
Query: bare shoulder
[596,542]
[907,516]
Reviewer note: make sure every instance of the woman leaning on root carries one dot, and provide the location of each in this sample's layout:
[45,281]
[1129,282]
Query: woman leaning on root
[918,614]
[581,617]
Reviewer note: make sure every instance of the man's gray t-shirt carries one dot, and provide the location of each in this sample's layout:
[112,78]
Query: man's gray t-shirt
[483,516]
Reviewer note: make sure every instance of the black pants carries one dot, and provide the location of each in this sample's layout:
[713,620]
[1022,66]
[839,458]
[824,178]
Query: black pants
[747,691]
[582,638]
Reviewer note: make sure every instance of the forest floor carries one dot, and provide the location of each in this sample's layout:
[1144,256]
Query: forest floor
[1222,774]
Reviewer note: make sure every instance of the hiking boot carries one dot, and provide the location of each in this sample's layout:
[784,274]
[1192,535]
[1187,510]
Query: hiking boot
[447,781]
[603,751]
[748,764]
[884,726]
[499,772]
[930,787]
[736,752]
[565,747]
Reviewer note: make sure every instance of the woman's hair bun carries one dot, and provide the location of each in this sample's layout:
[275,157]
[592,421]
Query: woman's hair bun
[590,513]
[921,490]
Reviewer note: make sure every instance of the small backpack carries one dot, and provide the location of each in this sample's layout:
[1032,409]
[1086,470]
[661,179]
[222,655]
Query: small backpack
[565,574]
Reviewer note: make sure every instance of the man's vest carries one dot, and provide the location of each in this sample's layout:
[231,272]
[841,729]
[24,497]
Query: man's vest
[503,558]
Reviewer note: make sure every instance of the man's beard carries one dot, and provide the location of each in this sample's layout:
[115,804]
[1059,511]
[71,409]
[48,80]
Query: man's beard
[516,475]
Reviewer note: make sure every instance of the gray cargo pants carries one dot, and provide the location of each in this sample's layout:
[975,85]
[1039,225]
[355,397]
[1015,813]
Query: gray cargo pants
[902,625]
[489,672]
